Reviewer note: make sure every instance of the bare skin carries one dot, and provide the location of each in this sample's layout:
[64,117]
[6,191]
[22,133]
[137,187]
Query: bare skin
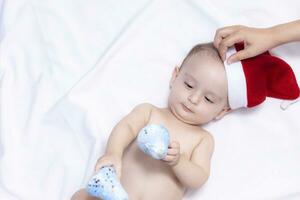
[162,182]
[256,40]
[193,101]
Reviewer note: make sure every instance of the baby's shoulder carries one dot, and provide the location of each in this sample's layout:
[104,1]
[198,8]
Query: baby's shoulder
[145,107]
[149,107]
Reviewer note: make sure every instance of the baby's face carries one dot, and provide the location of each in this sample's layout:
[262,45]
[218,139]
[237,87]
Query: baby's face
[199,90]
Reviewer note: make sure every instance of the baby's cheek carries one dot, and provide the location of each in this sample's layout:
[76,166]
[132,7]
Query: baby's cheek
[174,98]
[205,116]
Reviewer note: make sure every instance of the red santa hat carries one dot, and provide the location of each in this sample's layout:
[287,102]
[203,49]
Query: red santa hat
[251,80]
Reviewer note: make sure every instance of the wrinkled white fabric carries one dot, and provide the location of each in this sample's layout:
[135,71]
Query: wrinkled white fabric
[70,69]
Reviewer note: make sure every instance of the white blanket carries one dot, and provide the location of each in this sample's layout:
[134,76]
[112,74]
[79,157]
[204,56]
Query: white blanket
[70,69]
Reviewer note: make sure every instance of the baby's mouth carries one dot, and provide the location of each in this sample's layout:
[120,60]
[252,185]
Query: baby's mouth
[186,109]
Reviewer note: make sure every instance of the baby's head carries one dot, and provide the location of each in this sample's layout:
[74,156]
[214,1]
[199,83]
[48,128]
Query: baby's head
[198,88]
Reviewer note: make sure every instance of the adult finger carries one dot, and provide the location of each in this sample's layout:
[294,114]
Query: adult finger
[240,55]
[228,42]
[223,33]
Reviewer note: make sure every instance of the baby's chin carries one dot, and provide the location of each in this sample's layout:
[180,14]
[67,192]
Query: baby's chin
[185,117]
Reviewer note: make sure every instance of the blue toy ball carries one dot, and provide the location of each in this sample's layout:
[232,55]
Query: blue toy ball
[105,185]
[154,140]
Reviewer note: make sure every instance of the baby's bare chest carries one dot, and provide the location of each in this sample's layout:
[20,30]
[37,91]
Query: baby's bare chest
[186,135]
[142,174]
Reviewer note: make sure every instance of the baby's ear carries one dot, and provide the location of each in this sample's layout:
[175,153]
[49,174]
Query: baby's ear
[174,75]
[223,113]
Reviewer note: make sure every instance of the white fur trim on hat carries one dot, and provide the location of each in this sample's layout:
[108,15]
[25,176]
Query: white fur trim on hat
[237,88]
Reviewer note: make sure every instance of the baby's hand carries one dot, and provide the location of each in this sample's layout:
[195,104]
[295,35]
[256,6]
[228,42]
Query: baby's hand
[110,160]
[173,154]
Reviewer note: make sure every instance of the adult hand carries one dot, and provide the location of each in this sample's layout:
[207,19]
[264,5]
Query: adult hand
[256,41]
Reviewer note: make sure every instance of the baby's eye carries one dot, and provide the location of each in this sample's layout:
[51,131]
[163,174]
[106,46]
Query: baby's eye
[207,99]
[188,85]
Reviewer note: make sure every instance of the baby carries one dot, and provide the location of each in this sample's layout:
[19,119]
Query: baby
[198,95]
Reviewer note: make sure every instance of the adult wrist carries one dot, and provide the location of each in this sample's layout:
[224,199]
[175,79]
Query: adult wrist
[278,38]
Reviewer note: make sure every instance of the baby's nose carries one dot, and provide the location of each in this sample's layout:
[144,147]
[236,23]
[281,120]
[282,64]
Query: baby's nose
[194,98]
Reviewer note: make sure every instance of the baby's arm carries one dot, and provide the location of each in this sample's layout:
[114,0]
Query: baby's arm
[194,172]
[123,134]
[127,129]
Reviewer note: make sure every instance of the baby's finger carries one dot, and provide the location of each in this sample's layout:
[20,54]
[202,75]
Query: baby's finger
[174,144]
[118,171]
[173,151]
[102,164]
[169,158]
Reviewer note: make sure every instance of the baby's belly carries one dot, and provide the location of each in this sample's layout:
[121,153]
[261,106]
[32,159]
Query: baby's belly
[145,178]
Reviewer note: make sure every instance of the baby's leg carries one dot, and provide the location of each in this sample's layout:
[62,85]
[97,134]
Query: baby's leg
[83,195]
